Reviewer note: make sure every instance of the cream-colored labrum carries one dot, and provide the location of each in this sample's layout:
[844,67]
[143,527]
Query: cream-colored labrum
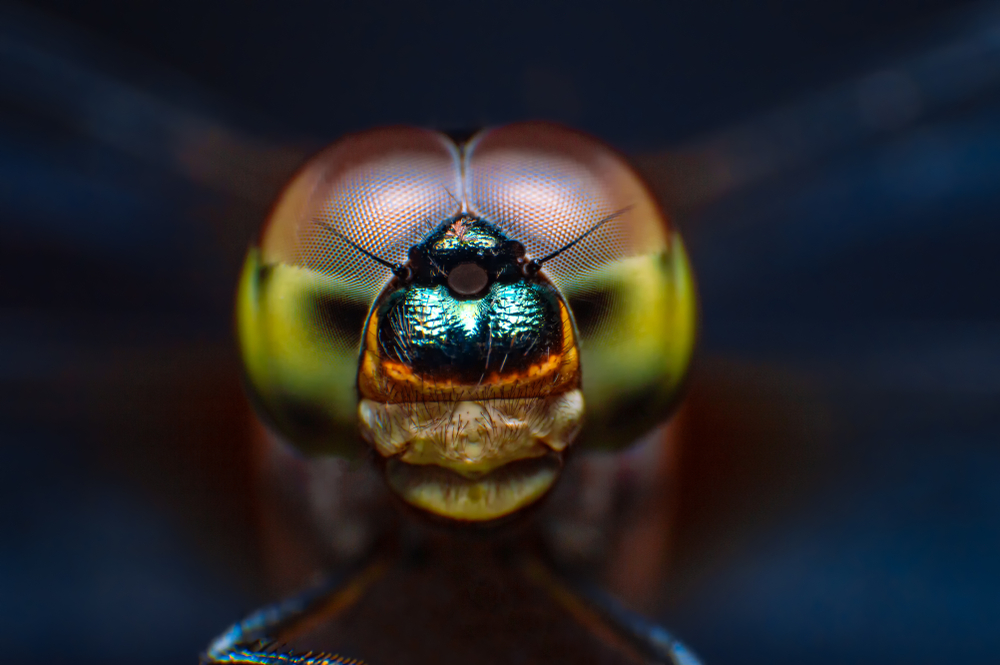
[473,439]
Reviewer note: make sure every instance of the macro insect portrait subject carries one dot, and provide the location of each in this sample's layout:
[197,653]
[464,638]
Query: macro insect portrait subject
[493,450]
[470,316]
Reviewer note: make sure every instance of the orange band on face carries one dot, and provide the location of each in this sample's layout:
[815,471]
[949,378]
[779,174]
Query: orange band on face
[391,381]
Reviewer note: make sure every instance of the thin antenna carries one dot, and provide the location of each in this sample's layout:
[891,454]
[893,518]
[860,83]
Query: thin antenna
[396,268]
[539,262]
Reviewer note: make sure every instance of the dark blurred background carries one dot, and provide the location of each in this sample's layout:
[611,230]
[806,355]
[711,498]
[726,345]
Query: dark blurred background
[835,167]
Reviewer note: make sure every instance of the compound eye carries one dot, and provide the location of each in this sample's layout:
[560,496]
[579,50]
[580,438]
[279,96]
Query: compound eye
[467,279]
[627,282]
[308,288]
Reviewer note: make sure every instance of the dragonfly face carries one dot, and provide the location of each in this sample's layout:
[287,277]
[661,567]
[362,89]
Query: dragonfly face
[470,375]
[475,311]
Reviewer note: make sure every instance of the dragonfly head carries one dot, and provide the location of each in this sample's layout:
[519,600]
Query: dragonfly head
[473,311]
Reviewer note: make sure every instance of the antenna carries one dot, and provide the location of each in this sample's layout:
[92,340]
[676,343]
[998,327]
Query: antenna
[532,266]
[397,269]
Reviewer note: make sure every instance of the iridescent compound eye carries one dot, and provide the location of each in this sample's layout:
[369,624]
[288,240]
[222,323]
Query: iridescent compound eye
[474,311]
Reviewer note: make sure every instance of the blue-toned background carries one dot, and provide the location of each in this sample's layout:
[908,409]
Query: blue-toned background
[835,167]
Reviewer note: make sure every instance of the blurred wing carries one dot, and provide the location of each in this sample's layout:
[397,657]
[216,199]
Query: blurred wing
[128,201]
[845,246]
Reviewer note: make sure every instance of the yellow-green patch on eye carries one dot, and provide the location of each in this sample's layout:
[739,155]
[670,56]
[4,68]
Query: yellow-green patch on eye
[637,334]
[299,333]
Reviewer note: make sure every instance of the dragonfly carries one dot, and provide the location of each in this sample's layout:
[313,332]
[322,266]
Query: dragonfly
[397,568]
[480,311]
